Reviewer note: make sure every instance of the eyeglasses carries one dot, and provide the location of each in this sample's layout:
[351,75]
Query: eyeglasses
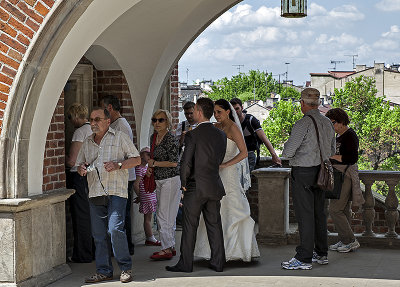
[160,120]
[334,122]
[97,119]
[69,117]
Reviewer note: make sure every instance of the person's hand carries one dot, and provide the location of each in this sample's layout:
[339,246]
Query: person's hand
[111,166]
[136,200]
[337,157]
[151,162]
[276,159]
[82,169]
[149,171]
[223,165]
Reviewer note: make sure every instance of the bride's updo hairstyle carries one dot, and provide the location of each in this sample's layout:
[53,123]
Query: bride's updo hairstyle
[226,106]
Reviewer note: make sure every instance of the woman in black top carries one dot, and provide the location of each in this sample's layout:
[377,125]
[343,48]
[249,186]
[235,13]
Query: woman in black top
[346,154]
[164,165]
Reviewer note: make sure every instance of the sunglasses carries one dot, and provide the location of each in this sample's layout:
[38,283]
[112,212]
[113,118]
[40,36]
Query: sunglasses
[97,119]
[334,122]
[160,120]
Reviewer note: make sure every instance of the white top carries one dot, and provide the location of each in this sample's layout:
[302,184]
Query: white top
[121,124]
[188,127]
[80,134]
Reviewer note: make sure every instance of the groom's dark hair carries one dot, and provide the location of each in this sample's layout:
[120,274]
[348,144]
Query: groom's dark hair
[207,106]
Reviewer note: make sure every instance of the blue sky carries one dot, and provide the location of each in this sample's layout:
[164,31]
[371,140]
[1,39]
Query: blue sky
[254,35]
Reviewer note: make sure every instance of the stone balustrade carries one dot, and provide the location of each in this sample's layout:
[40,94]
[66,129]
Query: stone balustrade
[273,207]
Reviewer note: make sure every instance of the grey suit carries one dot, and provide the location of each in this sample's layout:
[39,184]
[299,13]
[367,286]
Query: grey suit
[205,149]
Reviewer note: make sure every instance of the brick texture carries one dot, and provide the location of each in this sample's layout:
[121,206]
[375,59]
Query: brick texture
[114,83]
[54,154]
[174,92]
[19,21]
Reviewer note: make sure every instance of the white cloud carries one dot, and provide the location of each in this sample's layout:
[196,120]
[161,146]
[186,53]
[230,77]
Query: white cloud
[388,5]
[343,40]
[394,32]
[337,17]
[389,40]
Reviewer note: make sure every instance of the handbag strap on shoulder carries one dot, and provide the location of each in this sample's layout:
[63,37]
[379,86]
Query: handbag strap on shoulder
[316,129]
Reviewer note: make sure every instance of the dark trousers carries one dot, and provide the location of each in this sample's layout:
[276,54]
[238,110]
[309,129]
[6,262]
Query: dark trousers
[192,208]
[128,221]
[308,202]
[80,213]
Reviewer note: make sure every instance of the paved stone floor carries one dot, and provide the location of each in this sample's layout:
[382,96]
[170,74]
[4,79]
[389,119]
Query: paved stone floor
[365,267]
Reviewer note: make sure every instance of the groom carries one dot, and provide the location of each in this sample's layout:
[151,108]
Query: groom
[205,148]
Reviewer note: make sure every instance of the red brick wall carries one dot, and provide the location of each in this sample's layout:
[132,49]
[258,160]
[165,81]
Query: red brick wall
[174,92]
[54,154]
[19,22]
[114,83]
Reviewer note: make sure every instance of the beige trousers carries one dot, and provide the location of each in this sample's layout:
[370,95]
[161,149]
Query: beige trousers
[340,211]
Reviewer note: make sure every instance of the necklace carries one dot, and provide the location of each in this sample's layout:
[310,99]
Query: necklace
[159,138]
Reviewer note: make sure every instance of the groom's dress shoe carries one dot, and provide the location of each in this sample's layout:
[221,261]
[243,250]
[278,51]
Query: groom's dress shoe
[175,269]
[215,268]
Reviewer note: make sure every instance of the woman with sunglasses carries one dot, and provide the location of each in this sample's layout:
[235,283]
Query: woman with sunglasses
[79,202]
[164,165]
[345,160]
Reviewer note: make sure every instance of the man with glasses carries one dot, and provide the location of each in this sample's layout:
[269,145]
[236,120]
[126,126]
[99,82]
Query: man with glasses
[185,126]
[253,135]
[303,151]
[105,157]
[119,123]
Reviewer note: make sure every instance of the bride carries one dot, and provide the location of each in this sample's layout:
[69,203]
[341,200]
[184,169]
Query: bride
[237,225]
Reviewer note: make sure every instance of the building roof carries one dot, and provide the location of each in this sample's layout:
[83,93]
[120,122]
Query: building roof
[334,74]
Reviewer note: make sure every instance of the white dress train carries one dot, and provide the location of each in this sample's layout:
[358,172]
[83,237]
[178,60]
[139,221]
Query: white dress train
[237,225]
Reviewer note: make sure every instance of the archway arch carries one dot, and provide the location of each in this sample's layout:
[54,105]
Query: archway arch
[145,37]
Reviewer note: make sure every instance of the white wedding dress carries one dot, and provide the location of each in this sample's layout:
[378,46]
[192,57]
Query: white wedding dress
[237,225]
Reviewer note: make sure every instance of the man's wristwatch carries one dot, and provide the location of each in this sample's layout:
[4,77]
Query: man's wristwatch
[120,165]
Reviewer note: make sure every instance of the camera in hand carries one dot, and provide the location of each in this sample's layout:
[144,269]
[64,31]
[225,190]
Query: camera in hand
[90,167]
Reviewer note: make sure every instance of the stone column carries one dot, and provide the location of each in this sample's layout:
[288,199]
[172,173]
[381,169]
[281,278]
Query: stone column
[32,239]
[391,213]
[368,206]
[273,205]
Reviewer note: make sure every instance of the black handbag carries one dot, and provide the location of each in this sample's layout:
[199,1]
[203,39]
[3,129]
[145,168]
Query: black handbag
[325,180]
[338,178]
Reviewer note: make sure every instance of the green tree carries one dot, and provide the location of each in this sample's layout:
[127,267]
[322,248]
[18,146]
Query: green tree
[279,123]
[374,121]
[290,93]
[244,86]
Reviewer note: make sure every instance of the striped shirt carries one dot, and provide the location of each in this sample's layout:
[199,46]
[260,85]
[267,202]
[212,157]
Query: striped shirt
[145,197]
[114,146]
[302,146]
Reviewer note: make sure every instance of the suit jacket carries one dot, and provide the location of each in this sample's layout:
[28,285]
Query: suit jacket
[205,148]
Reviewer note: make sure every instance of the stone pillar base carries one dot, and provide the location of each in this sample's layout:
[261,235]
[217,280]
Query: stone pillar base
[32,239]
[273,204]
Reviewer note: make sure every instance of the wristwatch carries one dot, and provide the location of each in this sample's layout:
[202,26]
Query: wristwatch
[120,165]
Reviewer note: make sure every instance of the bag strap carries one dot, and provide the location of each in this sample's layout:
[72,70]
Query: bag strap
[316,129]
[153,146]
[183,126]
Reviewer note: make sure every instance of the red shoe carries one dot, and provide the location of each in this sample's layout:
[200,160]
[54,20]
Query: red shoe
[173,252]
[152,243]
[158,256]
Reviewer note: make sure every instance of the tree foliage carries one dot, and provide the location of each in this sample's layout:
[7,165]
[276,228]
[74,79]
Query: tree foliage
[374,121]
[244,86]
[280,121]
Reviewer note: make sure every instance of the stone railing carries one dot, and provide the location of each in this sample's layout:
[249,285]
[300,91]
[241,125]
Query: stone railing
[273,208]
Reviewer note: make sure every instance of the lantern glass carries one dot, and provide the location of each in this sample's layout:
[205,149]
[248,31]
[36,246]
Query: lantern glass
[293,8]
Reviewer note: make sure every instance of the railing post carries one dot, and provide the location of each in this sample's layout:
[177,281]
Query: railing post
[368,208]
[273,205]
[391,213]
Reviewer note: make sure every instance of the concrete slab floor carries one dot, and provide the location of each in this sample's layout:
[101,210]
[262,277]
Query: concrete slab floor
[365,267]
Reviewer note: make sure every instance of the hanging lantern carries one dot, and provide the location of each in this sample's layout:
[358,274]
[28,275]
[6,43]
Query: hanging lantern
[293,8]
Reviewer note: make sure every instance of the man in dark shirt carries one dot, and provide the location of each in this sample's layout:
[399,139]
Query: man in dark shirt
[253,133]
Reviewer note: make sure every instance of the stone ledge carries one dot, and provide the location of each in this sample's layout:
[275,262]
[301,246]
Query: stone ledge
[44,279]
[272,172]
[14,205]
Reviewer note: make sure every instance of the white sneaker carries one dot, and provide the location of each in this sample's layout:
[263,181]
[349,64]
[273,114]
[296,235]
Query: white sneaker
[126,276]
[349,247]
[335,246]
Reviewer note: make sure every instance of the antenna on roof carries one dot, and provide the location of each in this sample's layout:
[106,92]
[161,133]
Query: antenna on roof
[336,62]
[354,60]
[238,67]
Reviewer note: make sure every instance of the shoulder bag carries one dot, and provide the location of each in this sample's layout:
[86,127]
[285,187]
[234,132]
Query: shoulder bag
[149,181]
[325,179]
